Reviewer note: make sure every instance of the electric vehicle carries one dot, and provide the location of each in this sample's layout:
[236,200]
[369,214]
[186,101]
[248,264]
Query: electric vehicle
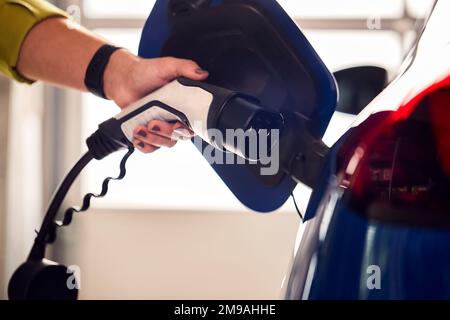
[377,225]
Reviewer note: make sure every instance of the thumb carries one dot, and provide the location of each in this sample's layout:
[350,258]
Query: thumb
[184,68]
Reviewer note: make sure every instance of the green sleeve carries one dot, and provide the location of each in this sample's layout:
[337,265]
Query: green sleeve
[17,17]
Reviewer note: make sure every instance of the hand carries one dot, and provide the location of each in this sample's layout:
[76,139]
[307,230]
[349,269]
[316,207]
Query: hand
[58,52]
[128,78]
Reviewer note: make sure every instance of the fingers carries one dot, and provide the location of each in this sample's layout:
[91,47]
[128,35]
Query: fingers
[175,68]
[180,132]
[153,138]
[161,128]
[158,134]
[145,148]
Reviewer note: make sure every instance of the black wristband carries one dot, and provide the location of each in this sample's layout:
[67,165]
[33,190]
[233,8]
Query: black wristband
[93,79]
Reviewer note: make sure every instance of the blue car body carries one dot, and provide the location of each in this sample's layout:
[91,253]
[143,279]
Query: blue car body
[346,253]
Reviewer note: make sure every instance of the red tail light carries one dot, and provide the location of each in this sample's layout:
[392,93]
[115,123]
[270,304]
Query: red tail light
[401,159]
[440,117]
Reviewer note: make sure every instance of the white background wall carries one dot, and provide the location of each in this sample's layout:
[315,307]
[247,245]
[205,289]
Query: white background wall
[181,255]
[4,111]
[21,190]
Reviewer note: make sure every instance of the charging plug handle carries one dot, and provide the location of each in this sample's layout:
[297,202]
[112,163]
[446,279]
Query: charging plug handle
[302,154]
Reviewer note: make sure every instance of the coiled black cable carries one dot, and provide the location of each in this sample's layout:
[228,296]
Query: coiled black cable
[100,145]
[68,215]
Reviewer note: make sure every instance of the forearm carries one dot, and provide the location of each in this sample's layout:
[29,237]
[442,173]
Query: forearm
[58,51]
